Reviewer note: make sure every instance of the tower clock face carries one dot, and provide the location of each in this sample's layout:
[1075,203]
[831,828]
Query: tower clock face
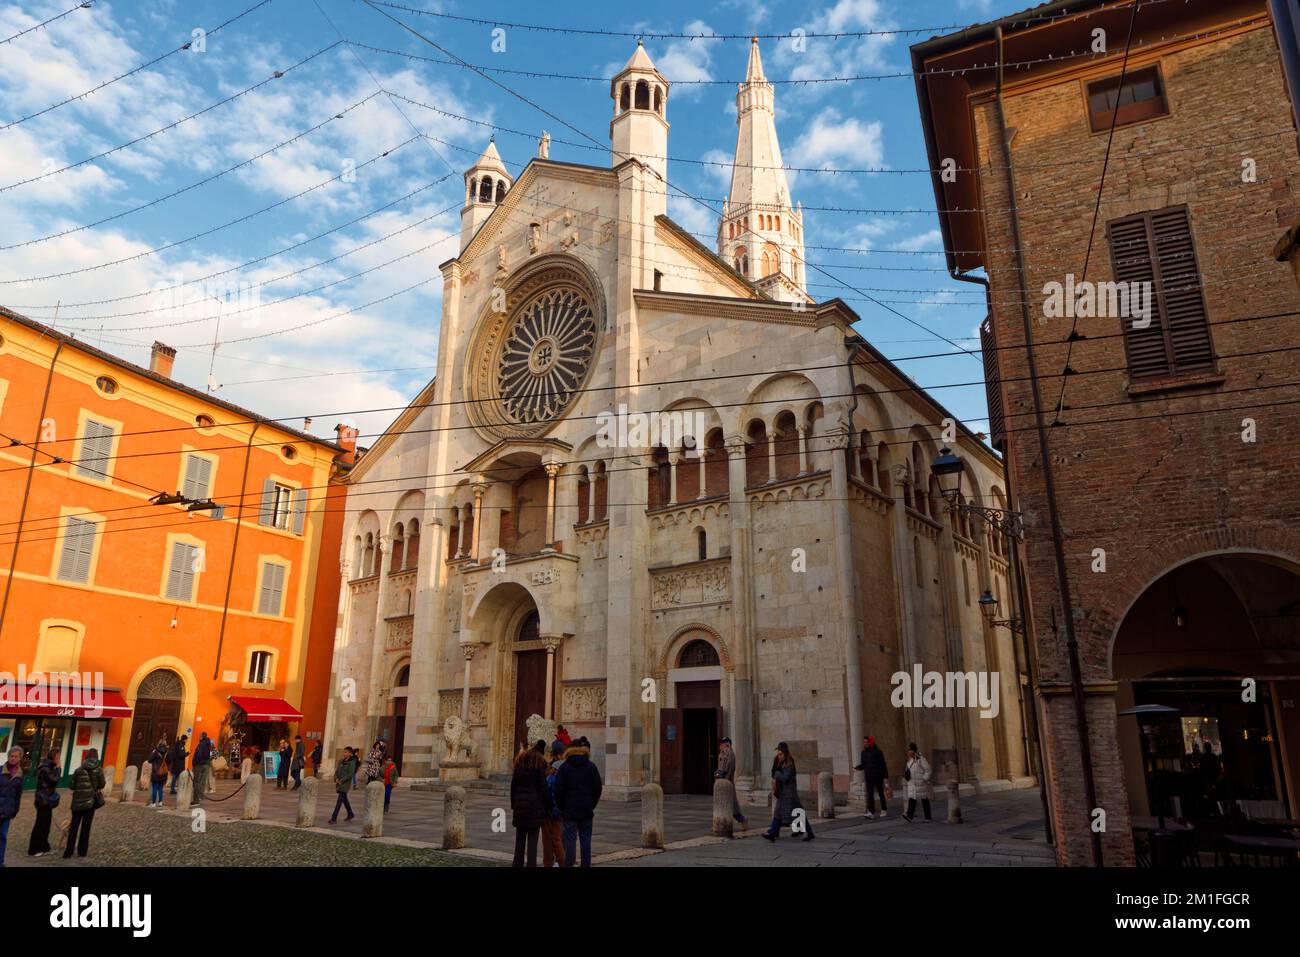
[548,348]
[527,364]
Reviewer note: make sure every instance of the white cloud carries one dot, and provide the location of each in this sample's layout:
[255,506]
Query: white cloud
[831,141]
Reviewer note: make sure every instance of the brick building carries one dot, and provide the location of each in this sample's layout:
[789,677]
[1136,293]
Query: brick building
[1166,429]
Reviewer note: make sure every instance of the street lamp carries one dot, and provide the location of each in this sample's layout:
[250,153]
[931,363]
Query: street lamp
[989,607]
[948,468]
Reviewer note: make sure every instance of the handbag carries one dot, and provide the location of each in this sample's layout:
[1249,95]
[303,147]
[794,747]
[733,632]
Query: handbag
[49,799]
[99,800]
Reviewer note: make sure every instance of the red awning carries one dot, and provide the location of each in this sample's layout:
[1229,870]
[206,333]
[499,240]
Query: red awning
[62,701]
[266,709]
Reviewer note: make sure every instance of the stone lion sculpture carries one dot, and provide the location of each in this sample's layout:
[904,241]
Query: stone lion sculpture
[456,736]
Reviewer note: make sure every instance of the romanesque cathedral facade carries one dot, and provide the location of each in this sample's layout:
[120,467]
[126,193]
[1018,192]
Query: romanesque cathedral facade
[658,494]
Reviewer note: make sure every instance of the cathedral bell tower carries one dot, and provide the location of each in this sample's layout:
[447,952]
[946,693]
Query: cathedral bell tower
[486,185]
[639,130]
[761,232]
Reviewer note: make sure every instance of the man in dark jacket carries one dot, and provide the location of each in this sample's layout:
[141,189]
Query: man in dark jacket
[87,782]
[176,759]
[875,771]
[202,765]
[577,792]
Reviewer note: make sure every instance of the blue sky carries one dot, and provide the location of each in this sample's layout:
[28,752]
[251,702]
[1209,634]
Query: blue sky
[360,331]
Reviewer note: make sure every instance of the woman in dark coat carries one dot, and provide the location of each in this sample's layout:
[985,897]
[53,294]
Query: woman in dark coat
[282,772]
[530,800]
[47,783]
[11,795]
[785,792]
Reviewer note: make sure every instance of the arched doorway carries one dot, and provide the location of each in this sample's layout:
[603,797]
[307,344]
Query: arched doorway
[530,677]
[156,713]
[1215,643]
[690,730]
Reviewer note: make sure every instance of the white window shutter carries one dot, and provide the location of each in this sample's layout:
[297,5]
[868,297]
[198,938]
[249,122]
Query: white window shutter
[299,510]
[96,446]
[78,547]
[85,549]
[267,514]
[198,477]
[174,580]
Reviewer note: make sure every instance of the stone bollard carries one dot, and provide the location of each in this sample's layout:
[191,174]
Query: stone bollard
[253,797]
[128,784]
[307,802]
[652,816]
[110,772]
[453,818]
[211,781]
[184,790]
[245,769]
[954,804]
[146,772]
[825,795]
[372,820]
[724,802]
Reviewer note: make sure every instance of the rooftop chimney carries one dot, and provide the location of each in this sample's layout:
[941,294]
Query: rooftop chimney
[161,359]
[348,442]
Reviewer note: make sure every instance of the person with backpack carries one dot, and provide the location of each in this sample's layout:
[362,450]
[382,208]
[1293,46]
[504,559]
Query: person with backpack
[87,798]
[202,765]
[343,776]
[47,799]
[176,759]
[577,792]
[158,774]
[553,826]
[11,795]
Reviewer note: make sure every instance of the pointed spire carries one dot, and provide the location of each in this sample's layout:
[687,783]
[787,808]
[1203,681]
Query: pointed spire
[490,158]
[640,60]
[754,71]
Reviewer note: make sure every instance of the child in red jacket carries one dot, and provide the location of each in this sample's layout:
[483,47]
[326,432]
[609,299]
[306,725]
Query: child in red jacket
[390,778]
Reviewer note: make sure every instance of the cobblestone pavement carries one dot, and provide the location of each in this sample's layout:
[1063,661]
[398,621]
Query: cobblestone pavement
[1002,828]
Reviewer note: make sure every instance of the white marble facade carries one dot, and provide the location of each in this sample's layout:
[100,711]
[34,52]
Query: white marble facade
[503,551]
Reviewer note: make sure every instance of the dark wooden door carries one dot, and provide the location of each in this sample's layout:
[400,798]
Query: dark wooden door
[530,692]
[153,719]
[670,750]
[399,731]
[701,732]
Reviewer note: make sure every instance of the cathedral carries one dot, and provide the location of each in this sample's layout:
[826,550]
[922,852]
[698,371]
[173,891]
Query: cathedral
[660,495]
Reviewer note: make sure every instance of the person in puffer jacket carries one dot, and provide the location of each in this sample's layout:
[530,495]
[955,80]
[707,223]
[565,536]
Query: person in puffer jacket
[87,782]
[11,795]
[577,792]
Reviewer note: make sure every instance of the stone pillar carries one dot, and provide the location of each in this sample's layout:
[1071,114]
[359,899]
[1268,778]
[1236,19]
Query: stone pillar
[954,804]
[803,450]
[552,642]
[956,653]
[110,773]
[771,454]
[453,818]
[128,783]
[307,802]
[253,797]
[184,790]
[146,772]
[674,463]
[825,795]
[372,821]
[845,574]
[724,801]
[746,730]
[905,588]
[652,816]
[468,649]
[701,454]
[479,489]
[552,470]
[591,494]
[245,769]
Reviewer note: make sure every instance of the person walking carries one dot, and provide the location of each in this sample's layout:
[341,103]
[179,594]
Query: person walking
[11,795]
[390,778]
[343,776]
[157,773]
[553,827]
[727,772]
[875,772]
[785,791]
[577,792]
[47,799]
[87,785]
[297,763]
[202,766]
[530,801]
[317,753]
[917,776]
[282,770]
[176,759]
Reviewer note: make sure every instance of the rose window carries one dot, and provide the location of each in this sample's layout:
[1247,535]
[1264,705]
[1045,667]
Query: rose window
[546,352]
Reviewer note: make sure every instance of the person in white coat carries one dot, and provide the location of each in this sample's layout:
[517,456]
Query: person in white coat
[917,778]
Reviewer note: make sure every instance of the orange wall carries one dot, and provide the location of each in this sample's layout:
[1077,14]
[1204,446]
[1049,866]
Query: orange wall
[127,620]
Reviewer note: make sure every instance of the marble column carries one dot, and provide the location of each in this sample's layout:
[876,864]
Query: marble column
[479,489]
[552,470]
[746,730]
[846,575]
[552,643]
[468,649]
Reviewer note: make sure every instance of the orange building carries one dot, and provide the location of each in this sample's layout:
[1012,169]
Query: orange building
[213,613]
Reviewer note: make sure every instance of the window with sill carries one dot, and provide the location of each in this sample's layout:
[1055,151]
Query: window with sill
[259,668]
[1155,251]
[1141,97]
[282,507]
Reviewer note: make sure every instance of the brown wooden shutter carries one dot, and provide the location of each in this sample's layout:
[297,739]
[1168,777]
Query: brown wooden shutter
[992,384]
[1157,248]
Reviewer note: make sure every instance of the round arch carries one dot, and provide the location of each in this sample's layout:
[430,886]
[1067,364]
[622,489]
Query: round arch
[189,699]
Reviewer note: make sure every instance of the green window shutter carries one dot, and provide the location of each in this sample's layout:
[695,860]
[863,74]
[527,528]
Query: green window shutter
[78,548]
[267,514]
[299,510]
[96,447]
